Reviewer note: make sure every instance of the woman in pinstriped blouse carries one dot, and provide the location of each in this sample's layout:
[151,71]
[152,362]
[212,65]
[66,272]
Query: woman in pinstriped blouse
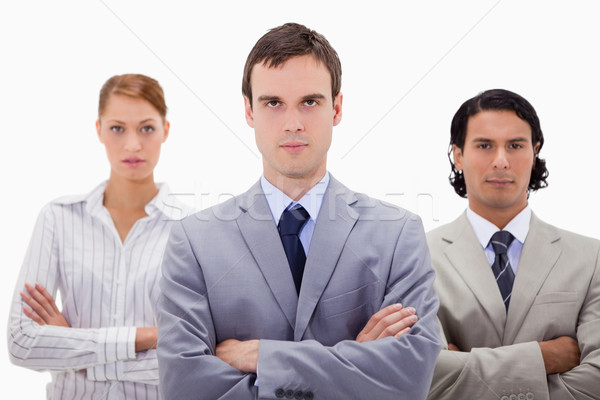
[102,252]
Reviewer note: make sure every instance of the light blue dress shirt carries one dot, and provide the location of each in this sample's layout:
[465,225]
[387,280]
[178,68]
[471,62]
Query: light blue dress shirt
[518,227]
[311,201]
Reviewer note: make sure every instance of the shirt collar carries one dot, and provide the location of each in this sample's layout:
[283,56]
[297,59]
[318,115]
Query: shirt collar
[484,229]
[279,201]
[161,203]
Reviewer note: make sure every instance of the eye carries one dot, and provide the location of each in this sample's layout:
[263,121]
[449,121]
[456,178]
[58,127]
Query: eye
[273,103]
[310,103]
[117,129]
[147,129]
[483,146]
[516,146]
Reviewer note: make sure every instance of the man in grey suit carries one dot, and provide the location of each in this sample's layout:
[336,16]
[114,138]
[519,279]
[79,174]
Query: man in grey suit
[293,289]
[519,299]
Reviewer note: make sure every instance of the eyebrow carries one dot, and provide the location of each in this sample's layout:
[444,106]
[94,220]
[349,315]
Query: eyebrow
[486,140]
[311,96]
[268,98]
[123,123]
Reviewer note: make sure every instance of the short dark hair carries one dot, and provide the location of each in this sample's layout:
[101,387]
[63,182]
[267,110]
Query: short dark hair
[496,99]
[287,41]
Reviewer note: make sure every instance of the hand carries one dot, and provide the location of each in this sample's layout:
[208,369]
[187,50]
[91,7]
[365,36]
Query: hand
[560,354]
[43,307]
[453,347]
[392,320]
[145,338]
[241,355]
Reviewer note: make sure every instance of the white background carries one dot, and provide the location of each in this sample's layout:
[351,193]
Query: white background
[407,67]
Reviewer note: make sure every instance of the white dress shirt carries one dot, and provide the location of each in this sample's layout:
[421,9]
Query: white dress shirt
[107,288]
[311,201]
[518,227]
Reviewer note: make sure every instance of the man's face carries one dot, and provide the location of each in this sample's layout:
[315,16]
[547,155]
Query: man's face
[293,115]
[496,161]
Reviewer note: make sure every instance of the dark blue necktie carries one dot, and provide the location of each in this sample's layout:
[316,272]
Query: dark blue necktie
[290,224]
[501,266]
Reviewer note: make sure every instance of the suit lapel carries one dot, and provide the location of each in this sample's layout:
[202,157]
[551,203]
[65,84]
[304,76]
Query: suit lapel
[334,224]
[538,257]
[260,233]
[468,259]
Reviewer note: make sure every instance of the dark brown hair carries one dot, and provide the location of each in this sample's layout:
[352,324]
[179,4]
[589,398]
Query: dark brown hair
[287,41]
[136,86]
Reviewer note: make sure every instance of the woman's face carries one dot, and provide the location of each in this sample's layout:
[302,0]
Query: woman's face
[132,131]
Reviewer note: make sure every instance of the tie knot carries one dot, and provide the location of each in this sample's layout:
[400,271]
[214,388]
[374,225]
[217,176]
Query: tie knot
[292,220]
[501,240]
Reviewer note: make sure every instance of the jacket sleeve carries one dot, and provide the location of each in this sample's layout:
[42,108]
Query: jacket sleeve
[582,382]
[486,373]
[188,367]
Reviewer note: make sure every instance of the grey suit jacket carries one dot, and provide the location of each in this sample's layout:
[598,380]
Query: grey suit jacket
[226,276]
[556,293]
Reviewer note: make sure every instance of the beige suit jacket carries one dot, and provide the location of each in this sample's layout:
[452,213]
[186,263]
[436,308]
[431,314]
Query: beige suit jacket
[556,293]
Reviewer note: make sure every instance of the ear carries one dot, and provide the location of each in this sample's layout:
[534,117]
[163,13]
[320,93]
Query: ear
[536,150]
[458,157]
[98,131]
[337,109]
[248,112]
[166,129]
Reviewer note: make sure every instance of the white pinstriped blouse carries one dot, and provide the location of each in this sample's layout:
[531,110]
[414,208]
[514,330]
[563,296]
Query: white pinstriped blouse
[107,287]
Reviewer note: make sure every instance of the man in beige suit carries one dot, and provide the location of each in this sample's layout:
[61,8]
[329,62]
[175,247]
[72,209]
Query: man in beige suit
[520,309]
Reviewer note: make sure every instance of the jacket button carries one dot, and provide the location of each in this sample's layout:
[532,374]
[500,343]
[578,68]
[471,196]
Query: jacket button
[280,393]
[504,398]
[298,395]
[289,394]
[521,396]
[309,395]
[529,396]
[513,397]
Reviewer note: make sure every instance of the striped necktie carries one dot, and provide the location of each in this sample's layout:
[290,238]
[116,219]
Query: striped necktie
[501,266]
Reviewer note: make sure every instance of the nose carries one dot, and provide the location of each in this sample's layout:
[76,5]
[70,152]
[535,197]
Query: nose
[293,121]
[132,142]
[500,159]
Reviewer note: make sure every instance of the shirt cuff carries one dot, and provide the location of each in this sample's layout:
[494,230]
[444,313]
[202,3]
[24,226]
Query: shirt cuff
[115,344]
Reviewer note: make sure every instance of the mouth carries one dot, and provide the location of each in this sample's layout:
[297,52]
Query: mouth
[133,161]
[500,182]
[294,147]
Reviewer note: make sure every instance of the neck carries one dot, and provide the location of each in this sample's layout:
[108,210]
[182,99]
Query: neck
[127,194]
[294,188]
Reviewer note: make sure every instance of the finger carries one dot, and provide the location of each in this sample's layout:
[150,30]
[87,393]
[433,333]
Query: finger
[394,328]
[48,297]
[393,323]
[27,311]
[41,300]
[402,332]
[453,347]
[34,305]
[379,315]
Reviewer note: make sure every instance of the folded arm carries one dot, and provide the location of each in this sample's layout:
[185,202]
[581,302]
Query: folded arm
[42,339]
[581,382]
